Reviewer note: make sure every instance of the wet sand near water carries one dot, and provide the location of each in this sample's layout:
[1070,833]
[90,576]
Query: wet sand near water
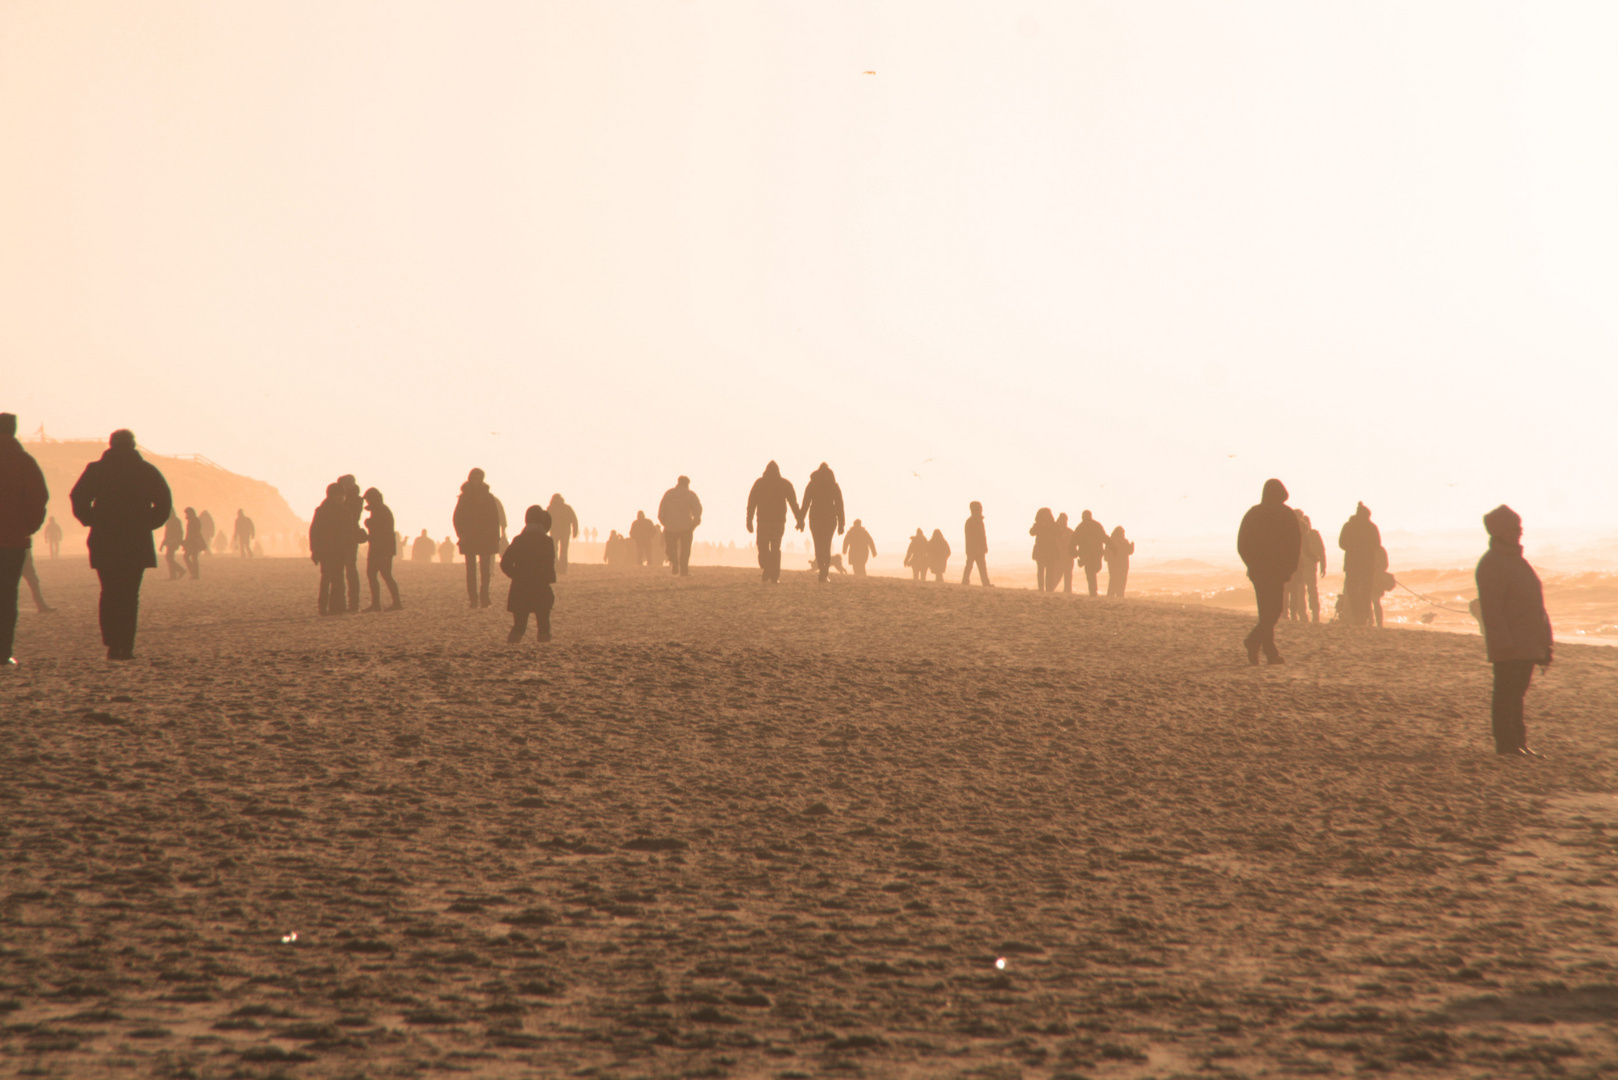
[726,830]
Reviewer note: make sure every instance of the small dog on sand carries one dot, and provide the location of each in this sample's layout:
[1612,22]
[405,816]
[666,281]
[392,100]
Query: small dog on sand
[836,564]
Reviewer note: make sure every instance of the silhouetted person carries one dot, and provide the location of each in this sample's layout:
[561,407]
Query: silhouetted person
[823,509]
[242,533]
[530,562]
[643,535]
[769,499]
[977,546]
[173,545]
[680,512]
[1090,543]
[1516,628]
[1303,594]
[381,545]
[354,505]
[422,548]
[938,553]
[1382,583]
[618,551]
[1119,549]
[122,498]
[446,551]
[500,512]
[1065,545]
[477,527]
[564,529]
[53,537]
[859,547]
[1047,549]
[194,543]
[1359,539]
[30,577]
[917,556]
[1268,544]
[209,529]
[330,537]
[23,498]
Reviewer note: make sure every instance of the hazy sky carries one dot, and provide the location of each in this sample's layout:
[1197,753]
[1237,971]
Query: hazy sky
[1128,256]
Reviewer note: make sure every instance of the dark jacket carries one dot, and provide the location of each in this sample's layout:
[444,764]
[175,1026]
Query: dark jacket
[822,501]
[1090,542]
[1515,625]
[23,495]
[680,510]
[1359,539]
[938,552]
[195,539]
[379,531]
[858,545]
[331,530]
[772,495]
[642,531]
[477,519]
[1268,541]
[977,542]
[530,563]
[564,522]
[423,549]
[173,534]
[122,498]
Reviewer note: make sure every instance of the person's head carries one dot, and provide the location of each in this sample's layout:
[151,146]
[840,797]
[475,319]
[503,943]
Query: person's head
[1274,492]
[1362,511]
[1117,532]
[920,535]
[976,508]
[122,439]
[857,524]
[190,513]
[1503,523]
[825,470]
[333,490]
[772,470]
[8,424]
[640,515]
[1061,519]
[556,499]
[1043,516]
[537,517]
[347,480]
[683,481]
[424,533]
[475,476]
[1085,516]
[938,534]
[373,497]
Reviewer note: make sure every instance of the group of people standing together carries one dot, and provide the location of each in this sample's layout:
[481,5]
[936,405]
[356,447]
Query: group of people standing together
[1057,547]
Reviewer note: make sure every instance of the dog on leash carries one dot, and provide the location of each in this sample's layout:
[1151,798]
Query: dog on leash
[836,564]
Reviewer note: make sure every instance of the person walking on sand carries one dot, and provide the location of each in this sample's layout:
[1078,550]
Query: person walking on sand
[242,534]
[53,537]
[679,512]
[977,545]
[1303,594]
[643,535]
[1516,627]
[173,544]
[30,577]
[381,546]
[938,553]
[823,509]
[530,562]
[769,499]
[194,543]
[917,556]
[1268,543]
[477,527]
[1090,542]
[329,538]
[859,547]
[23,499]
[122,498]
[1359,539]
[1119,549]
[564,529]
[1047,541]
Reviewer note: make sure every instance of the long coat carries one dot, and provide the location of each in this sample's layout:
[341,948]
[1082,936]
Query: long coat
[1515,624]
[23,495]
[122,498]
[530,563]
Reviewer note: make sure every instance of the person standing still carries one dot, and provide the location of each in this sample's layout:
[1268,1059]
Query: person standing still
[329,540]
[1119,549]
[769,499]
[977,546]
[122,498]
[194,544]
[53,537]
[1268,543]
[477,528]
[382,544]
[530,562]
[23,499]
[823,509]
[1090,541]
[1516,627]
[679,512]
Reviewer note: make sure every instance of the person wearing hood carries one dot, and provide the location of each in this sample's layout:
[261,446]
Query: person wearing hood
[564,528]
[1268,543]
[1359,539]
[938,554]
[382,544]
[771,496]
[823,508]
[1090,544]
[330,537]
[23,500]
[917,556]
[1516,628]
[194,544]
[122,498]
[858,546]
[977,545]
[643,535]
[530,562]
[1119,549]
[477,530]
[679,512]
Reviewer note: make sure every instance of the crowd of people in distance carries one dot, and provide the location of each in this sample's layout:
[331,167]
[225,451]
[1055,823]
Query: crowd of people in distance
[1057,547]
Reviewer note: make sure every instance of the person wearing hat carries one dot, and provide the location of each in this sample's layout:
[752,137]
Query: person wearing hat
[1516,628]
[530,562]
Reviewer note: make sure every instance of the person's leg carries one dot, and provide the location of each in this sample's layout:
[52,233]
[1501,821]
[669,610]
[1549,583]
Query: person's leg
[485,571]
[519,626]
[983,570]
[542,615]
[685,552]
[822,539]
[10,574]
[1090,579]
[32,578]
[374,585]
[472,580]
[1511,678]
[386,571]
[1314,598]
[671,548]
[1269,613]
[127,609]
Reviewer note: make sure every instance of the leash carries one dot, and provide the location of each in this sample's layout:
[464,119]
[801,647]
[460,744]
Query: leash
[1431,602]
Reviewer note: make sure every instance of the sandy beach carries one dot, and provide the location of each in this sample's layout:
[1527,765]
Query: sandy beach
[718,829]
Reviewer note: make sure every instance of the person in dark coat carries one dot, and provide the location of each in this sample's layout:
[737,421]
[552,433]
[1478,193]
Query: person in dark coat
[1119,549]
[122,498]
[477,527]
[977,546]
[530,562]
[1268,543]
[1047,549]
[643,535]
[242,534]
[23,499]
[330,535]
[381,546]
[446,551]
[1065,553]
[564,529]
[859,547]
[917,557]
[209,530]
[355,535]
[938,553]
[173,545]
[679,512]
[1360,539]
[53,537]
[1516,628]
[769,499]
[1303,592]
[823,509]
[194,543]
[422,548]
[1090,544]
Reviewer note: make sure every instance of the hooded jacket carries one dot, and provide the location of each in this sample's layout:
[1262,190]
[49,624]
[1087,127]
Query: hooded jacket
[1268,541]
[938,552]
[772,495]
[122,498]
[530,563]
[23,495]
[1515,624]
[822,501]
[477,519]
